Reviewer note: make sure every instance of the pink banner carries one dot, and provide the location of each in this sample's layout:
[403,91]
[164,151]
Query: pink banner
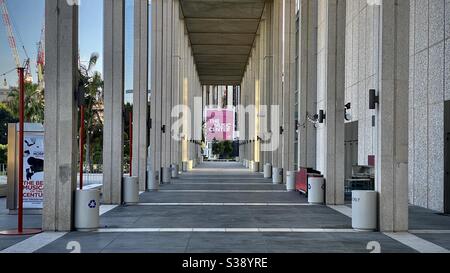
[219,124]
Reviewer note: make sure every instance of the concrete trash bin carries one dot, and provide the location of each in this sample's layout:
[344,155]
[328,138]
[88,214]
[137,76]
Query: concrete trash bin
[87,210]
[277,175]
[290,181]
[184,167]
[364,210]
[166,175]
[246,163]
[130,187]
[251,165]
[190,165]
[175,169]
[255,167]
[267,171]
[316,190]
[153,180]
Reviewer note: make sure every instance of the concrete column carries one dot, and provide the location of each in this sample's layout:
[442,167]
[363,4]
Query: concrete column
[268,73]
[392,116]
[289,86]
[113,69]
[307,82]
[157,90]
[61,23]
[330,97]
[277,78]
[178,26]
[140,92]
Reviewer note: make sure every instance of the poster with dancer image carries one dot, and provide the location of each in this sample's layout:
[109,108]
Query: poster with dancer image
[33,171]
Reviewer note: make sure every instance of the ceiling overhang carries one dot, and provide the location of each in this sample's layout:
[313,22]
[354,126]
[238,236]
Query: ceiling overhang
[222,33]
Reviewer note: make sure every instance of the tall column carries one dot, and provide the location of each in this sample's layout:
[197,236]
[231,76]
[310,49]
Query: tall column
[61,24]
[178,26]
[113,69]
[392,116]
[140,93]
[277,78]
[157,90]
[307,82]
[330,96]
[267,35]
[289,86]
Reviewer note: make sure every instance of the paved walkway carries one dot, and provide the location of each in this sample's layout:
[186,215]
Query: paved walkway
[222,207]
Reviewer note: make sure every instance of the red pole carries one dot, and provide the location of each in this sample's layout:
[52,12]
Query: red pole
[21,139]
[131,142]
[81,145]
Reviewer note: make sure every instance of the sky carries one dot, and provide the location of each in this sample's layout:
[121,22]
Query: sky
[28,19]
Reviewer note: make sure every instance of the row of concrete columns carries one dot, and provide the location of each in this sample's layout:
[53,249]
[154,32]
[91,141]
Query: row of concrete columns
[174,81]
[270,79]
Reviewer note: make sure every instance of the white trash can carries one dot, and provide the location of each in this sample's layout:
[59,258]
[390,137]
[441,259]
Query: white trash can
[190,165]
[316,190]
[267,171]
[87,210]
[255,167]
[152,181]
[251,165]
[290,181]
[175,169]
[277,175]
[364,210]
[130,187]
[166,175]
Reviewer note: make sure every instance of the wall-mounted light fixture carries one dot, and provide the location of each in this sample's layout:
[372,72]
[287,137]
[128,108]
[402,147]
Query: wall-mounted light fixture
[322,116]
[163,129]
[373,99]
[347,114]
[281,130]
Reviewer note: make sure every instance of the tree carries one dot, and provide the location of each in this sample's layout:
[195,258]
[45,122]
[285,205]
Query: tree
[34,103]
[227,149]
[6,116]
[93,88]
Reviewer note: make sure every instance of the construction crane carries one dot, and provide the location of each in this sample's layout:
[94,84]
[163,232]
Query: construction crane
[40,63]
[12,42]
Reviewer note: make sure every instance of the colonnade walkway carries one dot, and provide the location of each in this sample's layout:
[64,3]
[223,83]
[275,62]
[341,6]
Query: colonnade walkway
[222,207]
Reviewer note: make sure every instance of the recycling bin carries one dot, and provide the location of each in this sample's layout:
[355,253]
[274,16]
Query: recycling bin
[316,190]
[87,210]
[277,175]
[290,181]
[255,167]
[130,187]
[153,180]
[175,170]
[166,175]
[364,210]
[268,171]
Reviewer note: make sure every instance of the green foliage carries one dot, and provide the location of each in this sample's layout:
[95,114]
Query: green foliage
[223,149]
[34,103]
[3,154]
[6,116]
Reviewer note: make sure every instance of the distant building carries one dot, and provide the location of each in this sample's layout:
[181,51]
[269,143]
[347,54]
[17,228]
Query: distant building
[4,92]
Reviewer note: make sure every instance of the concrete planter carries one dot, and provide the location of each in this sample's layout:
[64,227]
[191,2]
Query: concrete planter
[364,210]
[316,190]
[87,210]
[130,187]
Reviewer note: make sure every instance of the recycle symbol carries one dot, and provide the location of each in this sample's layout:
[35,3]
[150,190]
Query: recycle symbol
[92,204]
